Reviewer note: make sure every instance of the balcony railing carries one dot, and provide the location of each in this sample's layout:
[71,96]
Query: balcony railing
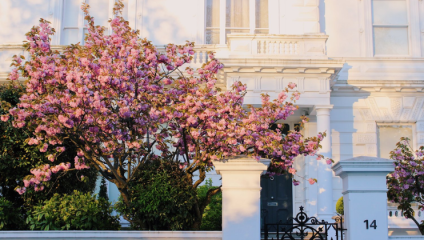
[281,46]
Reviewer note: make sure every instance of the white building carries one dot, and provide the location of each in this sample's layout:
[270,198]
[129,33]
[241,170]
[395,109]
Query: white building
[359,65]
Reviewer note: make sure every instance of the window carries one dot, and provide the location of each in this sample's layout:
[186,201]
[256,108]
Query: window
[73,23]
[390,134]
[390,27]
[237,18]
[212,21]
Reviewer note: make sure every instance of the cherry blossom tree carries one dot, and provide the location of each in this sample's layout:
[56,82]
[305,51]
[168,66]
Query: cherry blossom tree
[406,183]
[124,103]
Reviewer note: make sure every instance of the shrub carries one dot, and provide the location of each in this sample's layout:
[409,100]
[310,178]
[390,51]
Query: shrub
[162,198]
[77,211]
[212,216]
[103,190]
[18,158]
[10,219]
[340,206]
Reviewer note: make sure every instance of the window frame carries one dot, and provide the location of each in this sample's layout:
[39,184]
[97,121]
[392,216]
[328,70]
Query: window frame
[413,125]
[408,26]
[59,9]
[222,21]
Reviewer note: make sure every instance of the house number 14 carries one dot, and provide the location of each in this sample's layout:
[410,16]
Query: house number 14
[373,224]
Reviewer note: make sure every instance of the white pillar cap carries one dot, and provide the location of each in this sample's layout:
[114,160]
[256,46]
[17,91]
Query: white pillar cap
[241,163]
[364,164]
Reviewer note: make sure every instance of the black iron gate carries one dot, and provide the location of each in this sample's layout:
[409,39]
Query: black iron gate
[304,228]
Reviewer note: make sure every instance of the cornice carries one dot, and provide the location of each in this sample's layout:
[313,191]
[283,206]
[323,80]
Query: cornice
[367,86]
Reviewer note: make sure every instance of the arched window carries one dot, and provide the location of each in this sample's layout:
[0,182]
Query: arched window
[396,213]
[390,214]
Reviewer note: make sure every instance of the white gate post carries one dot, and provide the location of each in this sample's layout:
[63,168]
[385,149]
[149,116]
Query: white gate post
[365,196]
[241,193]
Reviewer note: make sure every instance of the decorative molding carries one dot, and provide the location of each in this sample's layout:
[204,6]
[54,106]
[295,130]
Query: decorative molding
[364,138]
[385,114]
[420,138]
[279,69]
[231,80]
[324,86]
[300,84]
[374,108]
[257,69]
[235,69]
[396,107]
[280,84]
[372,150]
[420,126]
[257,88]
[417,108]
[371,127]
[366,113]
[405,114]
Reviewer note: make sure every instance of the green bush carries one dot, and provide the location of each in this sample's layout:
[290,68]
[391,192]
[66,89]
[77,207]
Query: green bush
[340,206]
[17,158]
[10,219]
[212,216]
[103,190]
[162,198]
[77,211]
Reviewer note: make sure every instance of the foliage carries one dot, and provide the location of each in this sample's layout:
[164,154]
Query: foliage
[124,104]
[17,158]
[76,211]
[10,219]
[212,217]
[406,183]
[162,198]
[103,190]
[340,206]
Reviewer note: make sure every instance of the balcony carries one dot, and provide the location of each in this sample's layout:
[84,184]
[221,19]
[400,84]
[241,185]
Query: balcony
[309,46]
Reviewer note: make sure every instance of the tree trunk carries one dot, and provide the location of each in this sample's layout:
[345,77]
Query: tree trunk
[420,226]
[200,207]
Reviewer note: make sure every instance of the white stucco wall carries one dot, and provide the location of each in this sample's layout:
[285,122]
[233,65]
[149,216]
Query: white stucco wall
[367,90]
[18,16]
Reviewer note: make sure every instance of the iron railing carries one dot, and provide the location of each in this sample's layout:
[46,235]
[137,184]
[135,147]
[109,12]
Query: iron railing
[304,228]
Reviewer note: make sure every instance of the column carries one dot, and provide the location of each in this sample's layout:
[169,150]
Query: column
[325,175]
[365,196]
[241,193]
[222,16]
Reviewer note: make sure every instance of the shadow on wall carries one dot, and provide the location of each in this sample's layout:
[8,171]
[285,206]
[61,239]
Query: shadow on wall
[353,130]
[18,17]
[170,22]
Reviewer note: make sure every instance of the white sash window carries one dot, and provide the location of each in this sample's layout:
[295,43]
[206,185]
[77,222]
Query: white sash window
[234,16]
[73,26]
[390,27]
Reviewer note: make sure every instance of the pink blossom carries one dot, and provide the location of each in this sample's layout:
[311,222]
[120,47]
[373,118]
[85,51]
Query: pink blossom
[292,85]
[21,190]
[311,181]
[44,148]
[242,148]
[129,101]
[33,141]
[4,118]
[292,171]
[26,183]
[329,161]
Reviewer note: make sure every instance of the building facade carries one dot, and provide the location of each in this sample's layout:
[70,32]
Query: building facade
[359,65]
